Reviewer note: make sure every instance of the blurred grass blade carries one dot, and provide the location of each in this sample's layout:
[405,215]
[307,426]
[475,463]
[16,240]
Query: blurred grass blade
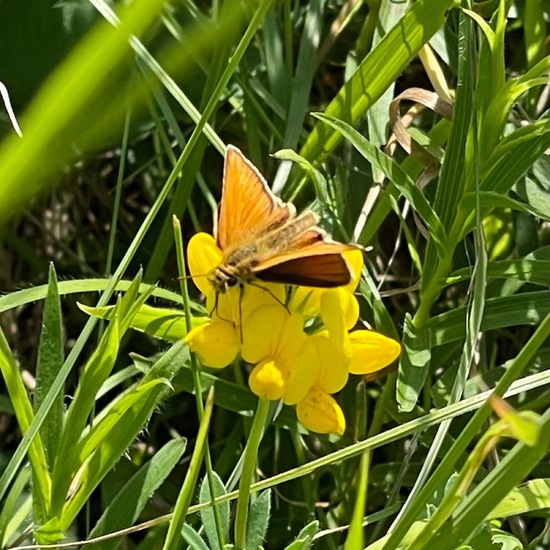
[55,117]
[50,360]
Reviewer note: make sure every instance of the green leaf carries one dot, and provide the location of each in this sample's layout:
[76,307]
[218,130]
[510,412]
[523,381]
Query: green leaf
[49,533]
[378,71]
[258,520]
[207,514]
[304,540]
[395,174]
[167,324]
[458,156]
[522,309]
[457,169]
[414,364]
[28,295]
[108,440]
[514,156]
[490,200]
[15,508]
[534,194]
[532,271]
[50,359]
[493,488]
[192,538]
[94,374]
[531,496]
[126,507]
[24,415]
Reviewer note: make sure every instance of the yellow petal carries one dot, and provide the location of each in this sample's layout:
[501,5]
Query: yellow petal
[320,413]
[371,351]
[354,258]
[216,343]
[267,380]
[306,300]
[203,256]
[333,363]
[292,338]
[339,309]
[303,369]
[262,331]
[261,294]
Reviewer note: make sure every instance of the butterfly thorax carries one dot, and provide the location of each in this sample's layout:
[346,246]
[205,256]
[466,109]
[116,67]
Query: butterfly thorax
[240,262]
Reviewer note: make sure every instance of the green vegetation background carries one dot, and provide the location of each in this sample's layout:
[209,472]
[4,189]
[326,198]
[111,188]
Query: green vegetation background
[124,125]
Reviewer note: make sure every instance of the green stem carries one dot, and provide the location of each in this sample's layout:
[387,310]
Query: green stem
[195,369]
[247,475]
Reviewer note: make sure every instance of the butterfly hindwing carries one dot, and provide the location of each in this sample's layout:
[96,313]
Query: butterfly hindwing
[324,270]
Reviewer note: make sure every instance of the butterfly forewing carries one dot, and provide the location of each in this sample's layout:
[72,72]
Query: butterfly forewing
[248,208]
[261,236]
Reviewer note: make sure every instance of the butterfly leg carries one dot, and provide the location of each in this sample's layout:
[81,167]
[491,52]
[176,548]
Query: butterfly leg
[240,320]
[252,283]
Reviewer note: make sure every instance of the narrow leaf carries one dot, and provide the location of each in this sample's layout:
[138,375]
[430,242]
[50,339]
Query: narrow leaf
[378,71]
[395,174]
[414,364]
[258,520]
[50,359]
[124,510]
[207,514]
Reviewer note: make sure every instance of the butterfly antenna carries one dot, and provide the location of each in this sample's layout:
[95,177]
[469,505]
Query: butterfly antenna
[181,277]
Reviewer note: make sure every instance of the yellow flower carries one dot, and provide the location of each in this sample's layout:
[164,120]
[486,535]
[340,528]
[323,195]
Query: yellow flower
[320,413]
[215,342]
[307,300]
[286,363]
[371,351]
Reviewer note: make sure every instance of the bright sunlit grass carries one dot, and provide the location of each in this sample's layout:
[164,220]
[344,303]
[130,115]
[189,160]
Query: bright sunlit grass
[405,408]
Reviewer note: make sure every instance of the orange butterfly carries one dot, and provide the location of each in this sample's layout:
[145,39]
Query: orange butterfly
[262,238]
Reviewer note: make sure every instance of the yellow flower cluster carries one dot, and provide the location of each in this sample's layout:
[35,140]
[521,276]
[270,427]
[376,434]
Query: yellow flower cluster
[301,351]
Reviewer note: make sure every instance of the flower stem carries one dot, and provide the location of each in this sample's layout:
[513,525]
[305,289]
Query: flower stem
[249,465]
[195,369]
